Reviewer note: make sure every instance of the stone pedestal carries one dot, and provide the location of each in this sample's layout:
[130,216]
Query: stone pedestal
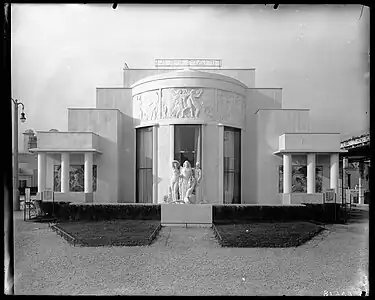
[182,214]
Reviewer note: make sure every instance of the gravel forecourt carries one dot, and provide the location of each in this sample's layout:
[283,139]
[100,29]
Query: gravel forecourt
[189,261]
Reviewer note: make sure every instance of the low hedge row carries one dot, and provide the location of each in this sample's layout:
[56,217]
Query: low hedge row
[244,213]
[65,211]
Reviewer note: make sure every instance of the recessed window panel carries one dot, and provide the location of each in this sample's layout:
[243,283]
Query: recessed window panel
[144,178]
[76,178]
[232,165]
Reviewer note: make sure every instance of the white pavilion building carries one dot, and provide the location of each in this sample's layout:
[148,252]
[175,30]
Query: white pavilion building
[251,150]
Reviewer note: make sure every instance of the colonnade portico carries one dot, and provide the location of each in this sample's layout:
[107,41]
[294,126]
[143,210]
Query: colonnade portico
[65,177]
[311,172]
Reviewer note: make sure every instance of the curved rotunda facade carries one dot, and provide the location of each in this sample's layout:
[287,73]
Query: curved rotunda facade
[188,112]
[248,148]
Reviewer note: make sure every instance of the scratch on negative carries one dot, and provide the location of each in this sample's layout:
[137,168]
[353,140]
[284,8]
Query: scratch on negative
[169,233]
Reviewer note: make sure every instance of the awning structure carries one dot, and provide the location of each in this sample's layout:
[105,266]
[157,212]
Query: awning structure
[356,142]
[357,148]
[358,151]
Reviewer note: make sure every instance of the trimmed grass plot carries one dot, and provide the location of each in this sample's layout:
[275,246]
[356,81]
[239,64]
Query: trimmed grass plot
[262,234]
[112,233]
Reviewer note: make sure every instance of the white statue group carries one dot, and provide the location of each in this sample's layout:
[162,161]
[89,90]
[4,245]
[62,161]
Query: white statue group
[184,183]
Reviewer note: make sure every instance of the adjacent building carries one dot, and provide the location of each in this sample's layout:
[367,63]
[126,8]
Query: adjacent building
[357,167]
[27,163]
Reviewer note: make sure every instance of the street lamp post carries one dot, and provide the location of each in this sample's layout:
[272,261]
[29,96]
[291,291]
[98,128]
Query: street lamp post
[16,196]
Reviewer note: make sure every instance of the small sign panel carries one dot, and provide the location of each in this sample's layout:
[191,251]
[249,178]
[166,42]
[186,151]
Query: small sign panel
[201,63]
[48,195]
[348,195]
[329,196]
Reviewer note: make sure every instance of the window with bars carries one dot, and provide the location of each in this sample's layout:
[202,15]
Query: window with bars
[32,143]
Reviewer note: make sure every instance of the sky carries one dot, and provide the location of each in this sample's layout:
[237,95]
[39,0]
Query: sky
[318,54]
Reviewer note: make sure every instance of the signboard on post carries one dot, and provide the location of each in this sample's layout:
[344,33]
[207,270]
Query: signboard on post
[48,195]
[330,196]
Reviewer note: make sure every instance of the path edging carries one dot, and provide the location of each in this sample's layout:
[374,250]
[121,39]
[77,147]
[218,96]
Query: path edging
[61,232]
[217,234]
[154,234]
[75,242]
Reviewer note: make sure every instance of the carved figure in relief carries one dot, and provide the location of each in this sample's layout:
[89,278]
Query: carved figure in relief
[154,105]
[164,111]
[176,105]
[207,108]
[225,106]
[185,103]
[238,108]
[142,113]
[231,107]
[174,183]
[148,106]
[191,103]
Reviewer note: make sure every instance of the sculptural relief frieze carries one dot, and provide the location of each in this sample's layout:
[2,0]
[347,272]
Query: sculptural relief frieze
[149,105]
[231,107]
[185,103]
[191,103]
[209,108]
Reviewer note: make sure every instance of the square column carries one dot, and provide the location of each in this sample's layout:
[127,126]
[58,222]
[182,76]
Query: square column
[88,172]
[334,171]
[171,143]
[287,173]
[199,190]
[41,172]
[361,196]
[241,166]
[154,165]
[65,164]
[311,167]
[221,164]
